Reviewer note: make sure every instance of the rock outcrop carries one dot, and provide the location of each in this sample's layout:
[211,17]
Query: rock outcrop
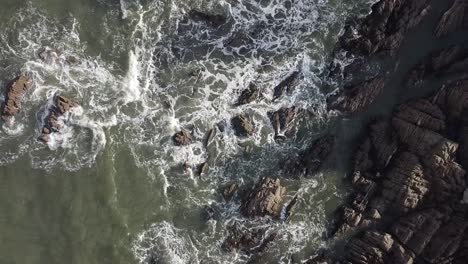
[242,125]
[52,123]
[355,98]
[264,199]
[182,138]
[248,240]
[408,185]
[14,94]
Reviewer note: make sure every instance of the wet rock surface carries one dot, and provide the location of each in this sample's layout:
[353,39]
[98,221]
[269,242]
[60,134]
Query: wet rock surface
[14,94]
[264,199]
[287,86]
[52,123]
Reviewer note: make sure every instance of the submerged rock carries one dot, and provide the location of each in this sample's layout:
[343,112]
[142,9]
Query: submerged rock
[242,126]
[182,138]
[213,20]
[287,85]
[264,199]
[14,94]
[310,161]
[230,190]
[62,105]
[355,98]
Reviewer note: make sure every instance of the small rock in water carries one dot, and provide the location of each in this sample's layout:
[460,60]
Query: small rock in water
[230,190]
[264,199]
[203,168]
[242,126]
[182,138]
[15,92]
[209,137]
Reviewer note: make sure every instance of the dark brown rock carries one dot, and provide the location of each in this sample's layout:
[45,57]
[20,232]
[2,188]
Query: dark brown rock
[14,94]
[242,126]
[182,138]
[355,98]
[264,199]
[230,190]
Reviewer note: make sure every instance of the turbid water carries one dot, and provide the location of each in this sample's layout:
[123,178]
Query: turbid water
[111,187]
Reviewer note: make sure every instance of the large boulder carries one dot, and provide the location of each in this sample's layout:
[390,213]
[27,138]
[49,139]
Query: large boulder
[264,199]
[14,94]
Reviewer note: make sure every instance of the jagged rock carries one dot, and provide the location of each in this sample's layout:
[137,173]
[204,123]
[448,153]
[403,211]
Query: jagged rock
[355,98]
[182,138]
[242,126]
[264,199]
[248,240]
[14,94]
[383,29]
[248,95]
[62,105]
[454,19]
[283,120]
[287,85]
[310,161]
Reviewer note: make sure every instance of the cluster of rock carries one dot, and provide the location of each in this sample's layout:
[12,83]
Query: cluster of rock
[62,105]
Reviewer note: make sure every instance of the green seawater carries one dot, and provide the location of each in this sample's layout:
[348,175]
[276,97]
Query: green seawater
[111,187]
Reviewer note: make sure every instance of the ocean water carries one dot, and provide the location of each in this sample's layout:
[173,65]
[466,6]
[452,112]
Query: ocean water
[111,186]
